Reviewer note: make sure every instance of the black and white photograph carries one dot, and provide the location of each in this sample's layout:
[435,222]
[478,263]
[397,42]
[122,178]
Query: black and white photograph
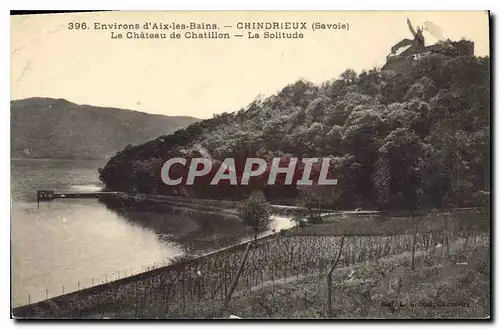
[250,165]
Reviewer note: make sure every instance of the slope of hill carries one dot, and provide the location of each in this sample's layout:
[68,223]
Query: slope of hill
[59,129]
[411,139]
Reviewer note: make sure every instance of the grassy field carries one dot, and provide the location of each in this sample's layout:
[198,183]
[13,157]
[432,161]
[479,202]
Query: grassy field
[283,276]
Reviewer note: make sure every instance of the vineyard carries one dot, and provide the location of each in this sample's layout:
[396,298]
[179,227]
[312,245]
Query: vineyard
[197,288]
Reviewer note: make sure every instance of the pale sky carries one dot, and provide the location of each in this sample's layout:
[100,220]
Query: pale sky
[202,77]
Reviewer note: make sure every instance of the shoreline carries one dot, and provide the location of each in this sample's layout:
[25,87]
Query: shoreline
[141,276]
[95,301]
[292,231]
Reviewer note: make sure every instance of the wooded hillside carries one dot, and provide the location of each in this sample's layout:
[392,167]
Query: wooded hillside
[407,140]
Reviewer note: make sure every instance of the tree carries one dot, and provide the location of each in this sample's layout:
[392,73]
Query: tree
[329,277]
[255,212]
[349,76]
[310,198]
[398,169]
[381,180]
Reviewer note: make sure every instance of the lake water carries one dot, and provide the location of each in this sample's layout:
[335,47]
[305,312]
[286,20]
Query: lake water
[64,245]
[73,241]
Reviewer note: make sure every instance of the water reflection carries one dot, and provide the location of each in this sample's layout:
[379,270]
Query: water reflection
[69,244]
[66,244]
[198,231]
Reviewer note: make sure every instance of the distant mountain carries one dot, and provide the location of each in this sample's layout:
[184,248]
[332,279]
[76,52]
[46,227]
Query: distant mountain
[59,129]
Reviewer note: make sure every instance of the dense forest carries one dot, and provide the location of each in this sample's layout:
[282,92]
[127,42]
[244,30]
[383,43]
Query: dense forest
[398,140]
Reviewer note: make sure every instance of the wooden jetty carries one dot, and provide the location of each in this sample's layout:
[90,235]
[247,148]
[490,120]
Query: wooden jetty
[47,195]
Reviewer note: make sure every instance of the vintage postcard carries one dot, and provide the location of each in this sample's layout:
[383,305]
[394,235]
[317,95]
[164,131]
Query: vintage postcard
[251,165]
